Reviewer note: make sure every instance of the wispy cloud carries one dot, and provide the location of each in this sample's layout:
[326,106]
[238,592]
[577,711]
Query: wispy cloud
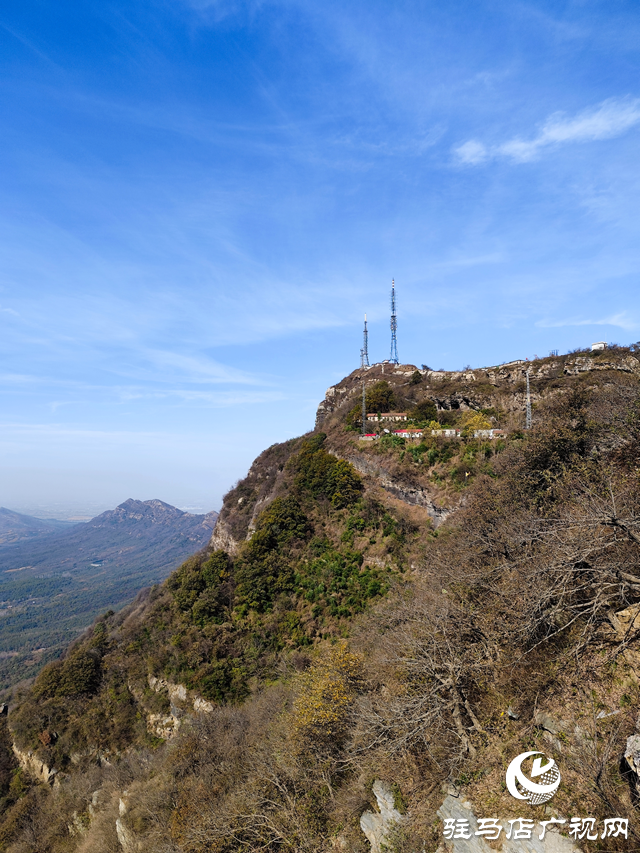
[198,368]
[611,118]
[223,399]
[17,378]
[621,320]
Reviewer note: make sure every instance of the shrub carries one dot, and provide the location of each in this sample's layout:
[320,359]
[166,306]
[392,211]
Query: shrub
[471,421]
[327,690]
[424,412]
[322,475]
[46,684]
[390,440]
[80,673]
[264,570]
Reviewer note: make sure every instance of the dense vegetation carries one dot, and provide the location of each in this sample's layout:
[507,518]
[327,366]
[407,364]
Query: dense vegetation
[350,639]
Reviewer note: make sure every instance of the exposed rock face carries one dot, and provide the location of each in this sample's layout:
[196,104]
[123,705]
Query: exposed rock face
[632,758]
[459,809]
[222,540]
[165,726]
[411,494]
[378,826]
[124,833]
[502,385]
[30,762]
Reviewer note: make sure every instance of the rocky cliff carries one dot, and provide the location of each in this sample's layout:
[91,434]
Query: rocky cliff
[502,387]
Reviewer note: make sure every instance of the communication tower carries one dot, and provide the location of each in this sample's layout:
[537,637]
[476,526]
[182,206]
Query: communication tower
[394,325]
[364,352]
[528,401]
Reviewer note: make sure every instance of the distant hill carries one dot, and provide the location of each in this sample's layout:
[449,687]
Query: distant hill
[16,527]
[53,582]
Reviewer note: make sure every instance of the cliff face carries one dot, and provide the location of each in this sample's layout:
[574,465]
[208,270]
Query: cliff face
[250,496]
[375,632]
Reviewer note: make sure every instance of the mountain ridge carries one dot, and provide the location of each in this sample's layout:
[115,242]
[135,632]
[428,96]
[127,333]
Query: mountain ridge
[53,586]
[336,649]
[17,527]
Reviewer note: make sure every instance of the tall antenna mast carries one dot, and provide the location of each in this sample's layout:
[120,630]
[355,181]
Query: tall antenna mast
[364,352]
[364,408]
[394,325]
[528,401]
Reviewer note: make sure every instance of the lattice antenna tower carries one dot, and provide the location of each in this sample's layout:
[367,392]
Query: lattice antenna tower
[364,352]
[394,325]
[364,408]
[528,401]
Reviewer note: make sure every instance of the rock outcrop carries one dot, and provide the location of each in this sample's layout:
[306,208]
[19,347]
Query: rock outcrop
[222,539]
[377,825]
[501,386]
[454,808]
[34,766]
[412,494]
[125,834]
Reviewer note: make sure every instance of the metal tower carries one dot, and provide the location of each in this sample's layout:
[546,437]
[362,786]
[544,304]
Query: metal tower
[364,408]
[394,325]
[528,401]
[364,352]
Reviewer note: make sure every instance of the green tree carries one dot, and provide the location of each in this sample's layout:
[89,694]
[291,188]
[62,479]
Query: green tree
[380,397]
[424,412]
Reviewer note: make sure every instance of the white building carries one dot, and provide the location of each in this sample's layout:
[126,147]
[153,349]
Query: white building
[387,416]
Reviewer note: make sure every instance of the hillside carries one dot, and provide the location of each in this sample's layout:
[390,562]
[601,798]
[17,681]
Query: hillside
[16,527]
[53,585]
[376,629]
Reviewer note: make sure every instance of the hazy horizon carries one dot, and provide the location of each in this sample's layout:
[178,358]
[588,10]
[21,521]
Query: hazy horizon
[85,511]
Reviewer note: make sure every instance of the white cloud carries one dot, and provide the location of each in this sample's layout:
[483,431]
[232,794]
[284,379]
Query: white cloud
[611,118]
[472,152]
[621,320]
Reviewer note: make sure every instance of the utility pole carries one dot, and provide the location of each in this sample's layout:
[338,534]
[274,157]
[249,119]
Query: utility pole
[528,401]
[364,407]
[394,325]
[364,352]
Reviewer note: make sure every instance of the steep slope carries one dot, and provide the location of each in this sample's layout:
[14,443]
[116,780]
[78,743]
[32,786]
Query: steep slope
[390,622]
[54,586]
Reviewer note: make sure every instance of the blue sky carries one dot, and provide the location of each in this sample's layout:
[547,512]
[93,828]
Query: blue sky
[199,200]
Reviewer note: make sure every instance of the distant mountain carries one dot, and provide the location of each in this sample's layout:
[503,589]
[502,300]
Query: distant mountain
[16,527]
[53,582]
